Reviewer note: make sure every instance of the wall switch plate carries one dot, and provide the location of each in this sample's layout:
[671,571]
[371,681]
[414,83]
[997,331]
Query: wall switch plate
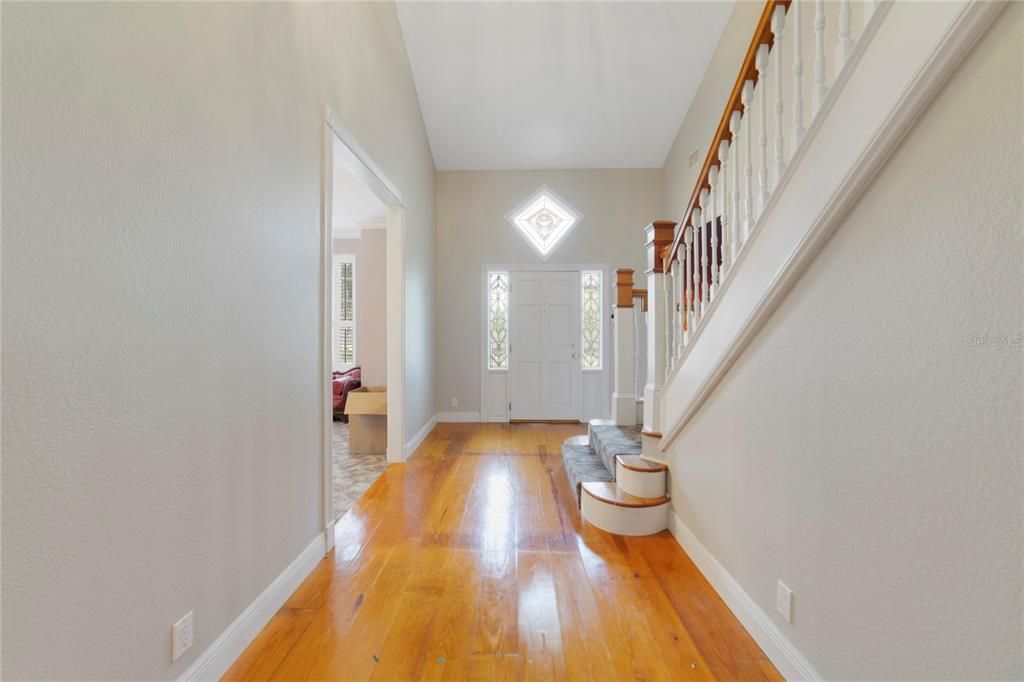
[455,402]
[181,636]
[784,601]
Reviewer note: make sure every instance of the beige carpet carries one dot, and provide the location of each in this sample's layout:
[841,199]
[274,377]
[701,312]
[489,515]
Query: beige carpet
[353,474]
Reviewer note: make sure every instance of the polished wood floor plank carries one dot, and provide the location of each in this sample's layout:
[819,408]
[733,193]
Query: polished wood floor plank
[496,631]
[489,521]
[633,652]
[368,621]
[316,653]
[271,646]
[584,639]
[540,631]
[447,656]
[403,654]
[722,641]
[470,561]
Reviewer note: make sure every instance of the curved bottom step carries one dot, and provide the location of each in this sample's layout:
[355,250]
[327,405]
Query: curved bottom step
[611,509]
[640,477]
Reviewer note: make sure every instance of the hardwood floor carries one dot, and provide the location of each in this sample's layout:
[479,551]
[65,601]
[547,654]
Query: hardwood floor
[470,562]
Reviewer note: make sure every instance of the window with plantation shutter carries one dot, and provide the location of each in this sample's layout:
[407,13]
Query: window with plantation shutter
[344,312]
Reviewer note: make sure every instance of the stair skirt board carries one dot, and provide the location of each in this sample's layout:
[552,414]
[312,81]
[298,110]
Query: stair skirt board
[619,520]
[640,483]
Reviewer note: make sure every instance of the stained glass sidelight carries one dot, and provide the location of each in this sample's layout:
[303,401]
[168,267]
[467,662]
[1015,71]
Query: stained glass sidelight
[590,324]
[497,320]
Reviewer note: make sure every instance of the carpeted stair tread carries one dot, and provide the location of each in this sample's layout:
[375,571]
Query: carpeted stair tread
[582,465]
[609,441]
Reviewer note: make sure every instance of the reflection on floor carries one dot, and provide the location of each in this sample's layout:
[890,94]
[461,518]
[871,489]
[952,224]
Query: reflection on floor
[353,474]
[469,562]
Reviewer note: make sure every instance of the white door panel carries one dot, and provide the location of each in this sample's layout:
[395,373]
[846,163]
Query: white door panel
[544,365]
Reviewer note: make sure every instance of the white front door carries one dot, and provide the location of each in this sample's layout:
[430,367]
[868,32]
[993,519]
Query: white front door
[544,332]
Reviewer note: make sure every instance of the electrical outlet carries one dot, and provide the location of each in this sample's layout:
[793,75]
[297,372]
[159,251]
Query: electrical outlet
[455,402]
[784,601]
[181,636]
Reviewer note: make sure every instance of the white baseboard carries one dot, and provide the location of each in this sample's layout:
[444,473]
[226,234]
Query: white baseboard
[415,441]
[458,417]
[776,646]
[219,656]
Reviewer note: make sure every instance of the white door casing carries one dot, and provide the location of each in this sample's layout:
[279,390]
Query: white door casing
[358,162]
[544,332]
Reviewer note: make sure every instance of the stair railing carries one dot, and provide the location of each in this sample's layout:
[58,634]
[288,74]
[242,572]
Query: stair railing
[761,128]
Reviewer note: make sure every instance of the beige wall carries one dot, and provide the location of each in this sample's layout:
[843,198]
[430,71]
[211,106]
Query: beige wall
[471,232]
[861,449]
[370,251]
[161,186]
[705,111]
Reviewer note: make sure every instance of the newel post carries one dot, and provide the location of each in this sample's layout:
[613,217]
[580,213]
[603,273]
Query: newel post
[623,397]
[659,238]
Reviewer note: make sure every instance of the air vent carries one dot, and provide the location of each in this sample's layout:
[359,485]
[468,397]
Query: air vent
[694,157]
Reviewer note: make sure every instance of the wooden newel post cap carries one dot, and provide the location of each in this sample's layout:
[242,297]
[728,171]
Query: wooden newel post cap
[659,236]
[624,288]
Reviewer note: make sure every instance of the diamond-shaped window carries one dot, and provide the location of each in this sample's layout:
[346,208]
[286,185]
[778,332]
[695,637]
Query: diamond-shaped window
[544,220]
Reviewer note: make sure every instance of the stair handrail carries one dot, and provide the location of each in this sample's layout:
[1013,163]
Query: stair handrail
[748,72]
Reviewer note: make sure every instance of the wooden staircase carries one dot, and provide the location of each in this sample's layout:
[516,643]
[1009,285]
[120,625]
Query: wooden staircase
[618,490]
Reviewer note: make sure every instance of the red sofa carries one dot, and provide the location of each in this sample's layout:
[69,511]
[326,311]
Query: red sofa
[341,384]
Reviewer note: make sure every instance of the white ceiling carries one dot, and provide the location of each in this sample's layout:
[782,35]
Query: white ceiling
[514,85]
[353,205]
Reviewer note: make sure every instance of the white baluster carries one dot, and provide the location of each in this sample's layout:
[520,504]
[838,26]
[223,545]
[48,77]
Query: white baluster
[670,304]
[845,45]
[820,89]
[734,229]
[761,63]
[748,169]
[688,283]
[713,211]
[723,156]
[705,288]
[798,77]
[673,319]
[698,275]
[778,23]
[869,9]
[681,309]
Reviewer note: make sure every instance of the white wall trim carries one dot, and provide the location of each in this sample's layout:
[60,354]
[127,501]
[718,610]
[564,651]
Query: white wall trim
[776,646]
[845,147]
[354,158]
[420,436]
[229,645]
[458,417]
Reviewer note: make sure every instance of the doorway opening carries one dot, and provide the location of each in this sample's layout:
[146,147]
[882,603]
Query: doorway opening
[361,354]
